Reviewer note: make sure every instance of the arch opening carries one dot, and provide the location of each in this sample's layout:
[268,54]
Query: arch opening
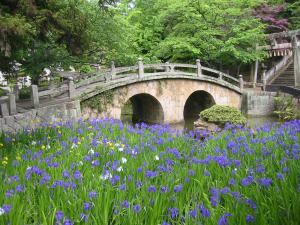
[197,102]
[142,108]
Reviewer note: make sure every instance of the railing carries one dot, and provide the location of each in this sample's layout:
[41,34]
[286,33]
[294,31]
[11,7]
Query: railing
[70,90]
[8,105]
[295,92]
[139,71]
[270,74]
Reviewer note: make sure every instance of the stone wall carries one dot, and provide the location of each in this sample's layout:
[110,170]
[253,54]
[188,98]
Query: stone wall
[171,94]
[34,117]
[258,103]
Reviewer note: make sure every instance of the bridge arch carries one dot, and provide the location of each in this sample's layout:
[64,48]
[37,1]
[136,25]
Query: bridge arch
[168,97]
[142,107]
[197,102]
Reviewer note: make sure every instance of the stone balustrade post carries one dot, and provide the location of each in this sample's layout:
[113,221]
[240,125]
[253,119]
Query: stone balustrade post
[16,91]
[220,76]
[112,70]
[141,68]
[264,80]
[241,82]
[71,88]
[172,69]
[12,104]
[199,68]
[4,109]
[35,96]
[296,56]
[167,69]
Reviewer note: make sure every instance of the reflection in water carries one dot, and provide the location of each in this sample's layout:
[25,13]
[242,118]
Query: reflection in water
[252,122]
[188,125]
[260,121]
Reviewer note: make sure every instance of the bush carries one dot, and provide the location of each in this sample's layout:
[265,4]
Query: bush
[86,69]
[286,108]
[25,93]
[223,114]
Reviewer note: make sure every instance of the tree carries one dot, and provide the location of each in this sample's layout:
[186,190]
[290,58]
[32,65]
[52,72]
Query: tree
[293,12]
[40,34]
[219,32]
[271,15]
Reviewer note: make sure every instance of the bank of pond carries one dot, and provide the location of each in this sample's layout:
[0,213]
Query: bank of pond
[101,171]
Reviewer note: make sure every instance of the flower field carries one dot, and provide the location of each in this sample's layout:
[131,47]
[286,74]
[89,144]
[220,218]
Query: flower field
[103,172]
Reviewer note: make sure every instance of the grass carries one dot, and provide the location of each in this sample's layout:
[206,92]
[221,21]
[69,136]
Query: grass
[103,172]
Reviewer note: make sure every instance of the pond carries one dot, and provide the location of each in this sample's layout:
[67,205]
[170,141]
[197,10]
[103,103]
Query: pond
[252,121]
[188,124]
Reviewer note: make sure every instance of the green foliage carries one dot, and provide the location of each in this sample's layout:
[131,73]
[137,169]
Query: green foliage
[286,108]
[294,14]
[2,92]
[25,93]
[86,69]
[223,114]
[99,102]
[222,33]
[58,33]
[44,162]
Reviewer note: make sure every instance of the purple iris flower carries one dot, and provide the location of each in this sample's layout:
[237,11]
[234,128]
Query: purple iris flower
[152,188]
[204,211]
[265,182]
[150,174]
[247,181]
[66,174]
[59,215]
[68,222]
[19,188]
[249,218]
[206,173]
[173,212]
[6,208]
[125,204]
[84,217]
[232,182]
[279,176]
[92,194]
[77,175]
[164,189]
[136,208]
[95,163]
[138,184]
[87,206]
[193,213]
[178,188]
[223,220]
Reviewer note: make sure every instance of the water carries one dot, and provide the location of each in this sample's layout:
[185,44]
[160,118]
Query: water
[260,121]
[252,122]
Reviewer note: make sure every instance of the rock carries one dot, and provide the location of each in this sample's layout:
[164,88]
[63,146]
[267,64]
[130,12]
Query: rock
[203,125]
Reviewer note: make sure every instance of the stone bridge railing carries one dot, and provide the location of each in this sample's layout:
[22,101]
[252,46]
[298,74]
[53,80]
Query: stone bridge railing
[71,88]
[140,71]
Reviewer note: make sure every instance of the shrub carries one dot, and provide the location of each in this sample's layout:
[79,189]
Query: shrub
[223,114]
[25,93]
[86,69]
[286,108]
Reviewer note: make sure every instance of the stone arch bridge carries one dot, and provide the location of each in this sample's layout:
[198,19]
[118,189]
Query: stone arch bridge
[157,93]
[153,93]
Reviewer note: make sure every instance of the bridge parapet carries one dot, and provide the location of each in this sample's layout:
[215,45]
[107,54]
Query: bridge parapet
[139,71]
[116,77]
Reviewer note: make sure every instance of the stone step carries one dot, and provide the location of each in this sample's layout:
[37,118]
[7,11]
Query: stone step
[286,77]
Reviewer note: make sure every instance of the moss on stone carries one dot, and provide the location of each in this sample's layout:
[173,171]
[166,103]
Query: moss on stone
[223,114]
